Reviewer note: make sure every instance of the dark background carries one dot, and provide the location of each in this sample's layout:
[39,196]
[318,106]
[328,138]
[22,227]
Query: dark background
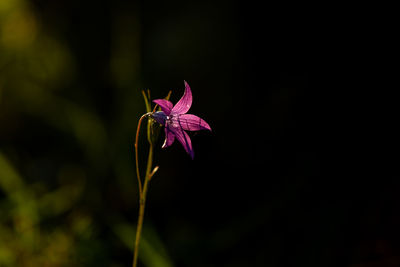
[298,170]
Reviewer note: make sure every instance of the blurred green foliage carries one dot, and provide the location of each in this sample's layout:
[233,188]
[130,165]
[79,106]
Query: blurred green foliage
[57,153]
[23,209]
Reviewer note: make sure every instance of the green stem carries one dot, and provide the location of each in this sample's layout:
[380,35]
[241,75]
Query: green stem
[149,163]
[139,230]
[142,193]
[149,173]
[137,155]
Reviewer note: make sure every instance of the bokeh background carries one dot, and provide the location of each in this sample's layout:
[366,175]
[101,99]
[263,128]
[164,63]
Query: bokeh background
[276,183]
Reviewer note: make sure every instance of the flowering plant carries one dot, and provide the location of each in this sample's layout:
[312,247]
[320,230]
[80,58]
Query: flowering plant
[176,122]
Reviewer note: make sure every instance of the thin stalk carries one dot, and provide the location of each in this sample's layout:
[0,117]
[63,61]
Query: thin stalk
[142,191]
[138,230]
[137,153]
[149,173]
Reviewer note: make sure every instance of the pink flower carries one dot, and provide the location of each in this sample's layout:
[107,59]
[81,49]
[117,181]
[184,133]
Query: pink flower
[176,121]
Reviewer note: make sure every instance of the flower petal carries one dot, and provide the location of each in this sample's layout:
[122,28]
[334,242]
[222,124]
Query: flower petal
[183,138]
[165,105]
[169,138]
[190,122]
[184,103]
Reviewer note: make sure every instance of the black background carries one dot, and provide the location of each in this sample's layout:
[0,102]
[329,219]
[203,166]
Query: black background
[298,170]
